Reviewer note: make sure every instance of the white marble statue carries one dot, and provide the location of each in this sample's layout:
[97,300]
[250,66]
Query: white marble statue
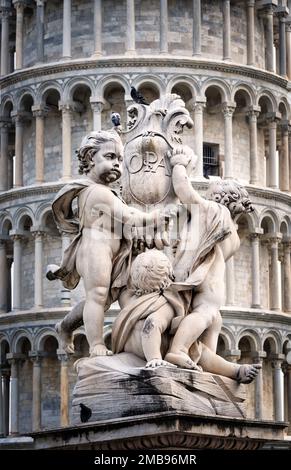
[144,325]
[100,253]
[169,305]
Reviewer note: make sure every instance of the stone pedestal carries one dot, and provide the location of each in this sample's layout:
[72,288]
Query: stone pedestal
[119,386]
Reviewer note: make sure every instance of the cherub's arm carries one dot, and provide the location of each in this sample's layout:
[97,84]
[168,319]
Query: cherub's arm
[183,187]
[103,200]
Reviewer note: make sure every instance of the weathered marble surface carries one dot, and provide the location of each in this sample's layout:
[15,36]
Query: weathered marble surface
[112,389]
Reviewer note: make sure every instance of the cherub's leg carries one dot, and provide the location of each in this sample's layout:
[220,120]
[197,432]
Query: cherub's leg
[70,323]
[190,329]
[96,275]
[151,335]
[211,334]
[243,373]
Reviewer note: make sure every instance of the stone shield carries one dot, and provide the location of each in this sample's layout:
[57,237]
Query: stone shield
[147,174]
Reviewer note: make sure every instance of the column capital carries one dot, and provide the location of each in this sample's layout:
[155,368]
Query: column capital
[20,117]
[5,123]
[20,4]
[228,108]
[277,360]
[14,358]
[35,357]
[39,111]
[5,12]
[232,355]
[38,231]
[273,118]
[267,6]
[251,3]
[282,12]
[40,3]
[253,111]
[63,357]
[196,105]
[272,239]
[65,107]
[17,234]
[256,234]
[258,356]
[97,105]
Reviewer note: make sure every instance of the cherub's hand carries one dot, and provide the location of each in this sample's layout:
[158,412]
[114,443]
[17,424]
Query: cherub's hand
[181,156]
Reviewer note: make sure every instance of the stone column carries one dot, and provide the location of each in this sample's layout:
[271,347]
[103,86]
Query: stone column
[287,275]
[19,6]
[4,277]
[97,28]
[1,406]
[40,30]
[254,163]
[251,32]
[273,160]
[65,293]
[282,45]
[97,107]
[198,135]
[269,38]
[66,140]
[288,49]
[4,125]
[19,123]
[38,234]
[64,388]
[226,30]
[229,277]
[6,400]
[289,157]
[284,158]
[39,114]
[288,374]
[232,355]
[164,26]
[130,28]
[278,387]
[228,110]
[14,393]
[196,27]
[275,287]
[67,53]
[255,243]
[17,255]
[36,390]
[5,13]
[258,358]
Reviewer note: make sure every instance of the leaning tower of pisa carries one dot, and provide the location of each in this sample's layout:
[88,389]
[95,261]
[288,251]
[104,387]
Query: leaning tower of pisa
[65,66]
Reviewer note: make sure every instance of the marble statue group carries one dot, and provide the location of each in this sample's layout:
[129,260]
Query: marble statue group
[159,248]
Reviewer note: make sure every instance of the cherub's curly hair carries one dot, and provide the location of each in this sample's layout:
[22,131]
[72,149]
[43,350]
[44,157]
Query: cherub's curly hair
[151,272]
[90,145]
[227,192]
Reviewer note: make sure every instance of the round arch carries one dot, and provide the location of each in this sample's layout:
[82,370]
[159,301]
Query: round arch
[17,339]
[222,86]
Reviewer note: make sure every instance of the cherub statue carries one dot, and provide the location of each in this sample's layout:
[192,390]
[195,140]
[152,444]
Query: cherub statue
[100,253]
[143,325]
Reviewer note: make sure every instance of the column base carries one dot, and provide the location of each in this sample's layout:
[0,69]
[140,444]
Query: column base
[256,306]
[66,57]
[130,53]
[96,55]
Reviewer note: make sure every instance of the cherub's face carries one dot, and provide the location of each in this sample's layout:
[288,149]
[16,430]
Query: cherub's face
[107,161]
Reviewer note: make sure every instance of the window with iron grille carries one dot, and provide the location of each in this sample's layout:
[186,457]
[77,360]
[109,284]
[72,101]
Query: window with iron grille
[210,160]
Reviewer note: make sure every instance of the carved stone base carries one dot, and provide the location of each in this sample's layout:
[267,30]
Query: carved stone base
[119,386]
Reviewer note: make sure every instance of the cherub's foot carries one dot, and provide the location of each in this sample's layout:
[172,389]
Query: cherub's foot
[50,271]
[182,359]
[100,350]
[247,373]
[66,339]
[158,363]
